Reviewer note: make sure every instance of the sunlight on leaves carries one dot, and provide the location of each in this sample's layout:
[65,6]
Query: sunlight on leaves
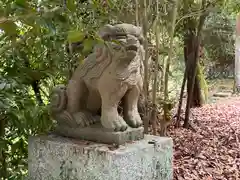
[8,26]
[71,5]
[75,36]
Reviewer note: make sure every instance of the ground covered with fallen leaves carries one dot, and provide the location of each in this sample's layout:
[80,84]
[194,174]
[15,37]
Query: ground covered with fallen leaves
[213,151]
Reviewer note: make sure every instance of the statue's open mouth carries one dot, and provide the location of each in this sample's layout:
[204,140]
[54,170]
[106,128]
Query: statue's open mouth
[132,48]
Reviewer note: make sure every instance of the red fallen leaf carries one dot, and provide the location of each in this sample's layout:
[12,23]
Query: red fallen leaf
[211,152]
[209,178]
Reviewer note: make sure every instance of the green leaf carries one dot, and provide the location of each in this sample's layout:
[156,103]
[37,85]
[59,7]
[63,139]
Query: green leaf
[15,146]
[61,18]
[116,42]
[21,3]
[3,144]
[8,26]
[75,36]
[71,5]
[2,12]
[110,3]
[81,58]
[88,45]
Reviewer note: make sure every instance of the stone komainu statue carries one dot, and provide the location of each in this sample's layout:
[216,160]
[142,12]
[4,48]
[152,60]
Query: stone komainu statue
[112,73]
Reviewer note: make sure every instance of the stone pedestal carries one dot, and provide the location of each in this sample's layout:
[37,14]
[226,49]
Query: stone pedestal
[97,133]
[57,158]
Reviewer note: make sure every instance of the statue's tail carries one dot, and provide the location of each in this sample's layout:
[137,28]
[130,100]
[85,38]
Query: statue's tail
[58,105]
[58,99]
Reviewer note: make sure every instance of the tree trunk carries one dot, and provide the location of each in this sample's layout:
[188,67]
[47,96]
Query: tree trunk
[34,84]
[181,97]
[189,44]
[237,56]
[36,89]
[4,165]
[145,82]
[192,62]
[192,44]
[167,105]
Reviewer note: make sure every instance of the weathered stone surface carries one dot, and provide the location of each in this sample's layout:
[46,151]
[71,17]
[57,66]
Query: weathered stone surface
[222,94]
[97,133]
[113,72]
[55,158]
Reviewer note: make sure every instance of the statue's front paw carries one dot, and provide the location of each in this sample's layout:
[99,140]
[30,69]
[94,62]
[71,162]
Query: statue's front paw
[115,123]
[134,120]
[84,119]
